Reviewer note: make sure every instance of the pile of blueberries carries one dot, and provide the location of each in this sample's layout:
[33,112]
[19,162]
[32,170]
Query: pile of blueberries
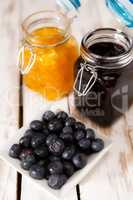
[55,148]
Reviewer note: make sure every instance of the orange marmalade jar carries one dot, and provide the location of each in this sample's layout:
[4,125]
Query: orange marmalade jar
[48,54]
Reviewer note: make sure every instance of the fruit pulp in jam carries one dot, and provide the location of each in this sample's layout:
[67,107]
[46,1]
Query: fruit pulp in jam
[112,94]
[52,74]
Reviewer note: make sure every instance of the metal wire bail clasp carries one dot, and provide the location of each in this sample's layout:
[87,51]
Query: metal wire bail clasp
[78,85]
[21,62]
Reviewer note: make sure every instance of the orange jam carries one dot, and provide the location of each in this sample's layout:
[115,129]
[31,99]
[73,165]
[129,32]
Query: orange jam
[52,74]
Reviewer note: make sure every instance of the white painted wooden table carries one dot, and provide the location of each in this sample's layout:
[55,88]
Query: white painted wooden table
[113,178]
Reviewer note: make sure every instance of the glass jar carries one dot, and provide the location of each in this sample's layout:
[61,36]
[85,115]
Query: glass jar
[48,54]
[122,14]
[104,76]
[123,10]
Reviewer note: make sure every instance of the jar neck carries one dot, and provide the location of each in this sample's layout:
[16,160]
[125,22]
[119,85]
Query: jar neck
[46,29]
[107,35]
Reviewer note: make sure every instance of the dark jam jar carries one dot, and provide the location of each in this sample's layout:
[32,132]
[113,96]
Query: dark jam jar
[104,76]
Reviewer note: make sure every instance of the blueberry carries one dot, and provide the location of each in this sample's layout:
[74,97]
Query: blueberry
[55,167]
[28,162]
[68,152]
[90,134]
[70,121]
[80,134]
[67,129]
[84,144]
[68,168]
[37,140]
[41,152]
[56,181]
[36,125]
[79,126]
[62,115]
[48,116]
[45,131]
[43,163]
[55,125]
[56,147]
[79,160]
[29,133]
[25,152]
[67,134]
[37,172]
[54,158]
[97,145]
[45,125]
[51,138]
[25,141]
[67,137]
[15,151]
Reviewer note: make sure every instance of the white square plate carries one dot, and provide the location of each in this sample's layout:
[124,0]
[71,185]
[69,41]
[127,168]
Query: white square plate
[42,184]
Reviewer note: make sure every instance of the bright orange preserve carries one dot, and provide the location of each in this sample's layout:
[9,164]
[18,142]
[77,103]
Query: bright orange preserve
[52,74]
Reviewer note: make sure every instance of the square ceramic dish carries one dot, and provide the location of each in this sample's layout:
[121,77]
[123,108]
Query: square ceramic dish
[42,184]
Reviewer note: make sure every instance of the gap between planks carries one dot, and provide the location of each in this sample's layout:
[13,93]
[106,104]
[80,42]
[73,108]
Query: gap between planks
[19,176]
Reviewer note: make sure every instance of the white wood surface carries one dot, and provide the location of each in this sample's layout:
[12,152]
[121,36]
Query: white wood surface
[113,178]
[9,84]
[34,104]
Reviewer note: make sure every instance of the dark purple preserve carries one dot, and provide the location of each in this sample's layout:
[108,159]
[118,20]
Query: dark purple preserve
[104,76]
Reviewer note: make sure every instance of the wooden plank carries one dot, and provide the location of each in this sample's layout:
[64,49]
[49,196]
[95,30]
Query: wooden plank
[112,179]
[34,104]
[9,91]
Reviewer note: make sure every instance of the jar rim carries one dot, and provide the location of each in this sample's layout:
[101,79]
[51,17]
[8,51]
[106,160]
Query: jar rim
[26,23]
[121,60]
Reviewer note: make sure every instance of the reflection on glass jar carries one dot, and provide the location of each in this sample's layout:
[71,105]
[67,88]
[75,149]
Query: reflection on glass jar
[104,76]
[48,54]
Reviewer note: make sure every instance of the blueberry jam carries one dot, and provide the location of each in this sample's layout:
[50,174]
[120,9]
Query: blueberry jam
[111,94]
[107,49]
